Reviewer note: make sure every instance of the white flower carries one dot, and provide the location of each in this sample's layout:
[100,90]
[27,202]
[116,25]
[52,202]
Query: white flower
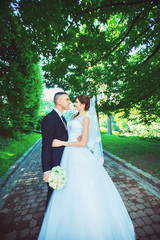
[57,178]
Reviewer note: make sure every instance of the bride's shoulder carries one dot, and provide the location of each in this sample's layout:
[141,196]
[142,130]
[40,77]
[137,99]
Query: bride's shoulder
[86,118]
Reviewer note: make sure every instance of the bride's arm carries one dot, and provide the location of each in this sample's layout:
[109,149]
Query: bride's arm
[82,143]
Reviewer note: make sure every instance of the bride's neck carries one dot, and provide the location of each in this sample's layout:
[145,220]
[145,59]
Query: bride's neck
[82,113]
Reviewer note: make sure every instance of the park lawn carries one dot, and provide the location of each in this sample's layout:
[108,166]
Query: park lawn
[140,152]
[11,149]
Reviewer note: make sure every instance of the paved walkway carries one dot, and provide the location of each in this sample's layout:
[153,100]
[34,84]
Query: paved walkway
[23,200]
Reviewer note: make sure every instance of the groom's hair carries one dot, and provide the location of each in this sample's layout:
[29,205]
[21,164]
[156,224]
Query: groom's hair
[57,95]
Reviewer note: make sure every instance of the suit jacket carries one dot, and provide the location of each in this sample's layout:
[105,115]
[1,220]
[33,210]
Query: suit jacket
[52,128]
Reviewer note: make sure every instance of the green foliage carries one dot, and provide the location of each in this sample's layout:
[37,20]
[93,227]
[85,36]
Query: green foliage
[39,121]
[102,119]
[70,114]
[140,152]
[103,130]
[131,126]
[110,50]
[21,106]
[135,125]
[152,130]
[20,84]
[114,124]
[11,149]
[121,123]
[46,106]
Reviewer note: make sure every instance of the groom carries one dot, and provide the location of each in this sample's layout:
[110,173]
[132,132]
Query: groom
[54,126]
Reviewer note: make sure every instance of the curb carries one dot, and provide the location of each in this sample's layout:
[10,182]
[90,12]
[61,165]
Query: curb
[13,168]
[152,180]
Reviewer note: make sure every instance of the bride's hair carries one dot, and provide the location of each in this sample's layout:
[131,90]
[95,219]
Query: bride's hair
[84,99]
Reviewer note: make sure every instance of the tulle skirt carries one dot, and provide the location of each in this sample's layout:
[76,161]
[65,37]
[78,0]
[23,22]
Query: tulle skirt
[89,206]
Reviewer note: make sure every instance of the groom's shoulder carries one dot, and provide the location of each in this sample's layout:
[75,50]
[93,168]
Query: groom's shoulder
[50,115]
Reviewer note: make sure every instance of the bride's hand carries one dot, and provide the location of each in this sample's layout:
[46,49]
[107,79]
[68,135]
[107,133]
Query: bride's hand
[56,143]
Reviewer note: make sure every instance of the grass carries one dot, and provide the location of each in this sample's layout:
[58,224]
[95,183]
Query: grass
[11,149]
[140,152]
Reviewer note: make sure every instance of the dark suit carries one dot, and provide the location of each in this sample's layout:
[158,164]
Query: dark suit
[52,128]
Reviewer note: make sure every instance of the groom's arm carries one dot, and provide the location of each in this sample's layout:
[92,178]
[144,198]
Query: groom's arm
[47,137]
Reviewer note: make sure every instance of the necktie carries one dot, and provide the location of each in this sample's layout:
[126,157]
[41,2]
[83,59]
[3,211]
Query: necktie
[64,122]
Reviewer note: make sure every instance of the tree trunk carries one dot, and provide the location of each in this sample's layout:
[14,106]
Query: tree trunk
[96,107]
[109,128]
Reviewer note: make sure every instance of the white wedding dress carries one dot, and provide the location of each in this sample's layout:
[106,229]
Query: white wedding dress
[89,206]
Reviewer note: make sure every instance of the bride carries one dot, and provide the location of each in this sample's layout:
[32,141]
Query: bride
[89,206]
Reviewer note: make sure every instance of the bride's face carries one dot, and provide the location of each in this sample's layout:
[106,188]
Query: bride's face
[78,105]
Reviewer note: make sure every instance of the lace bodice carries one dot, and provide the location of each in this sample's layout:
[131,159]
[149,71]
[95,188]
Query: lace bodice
[75,128]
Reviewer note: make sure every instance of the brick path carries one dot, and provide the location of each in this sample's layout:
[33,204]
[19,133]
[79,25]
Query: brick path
[25,193]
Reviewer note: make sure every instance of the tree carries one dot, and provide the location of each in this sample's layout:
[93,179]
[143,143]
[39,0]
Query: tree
[20,84]
[106,49]
[109,128]
[114,45]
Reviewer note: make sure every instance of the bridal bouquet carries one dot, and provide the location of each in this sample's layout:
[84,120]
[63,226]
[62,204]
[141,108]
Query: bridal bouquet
[57,178]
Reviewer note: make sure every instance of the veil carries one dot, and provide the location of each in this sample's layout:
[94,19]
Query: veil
[94,143]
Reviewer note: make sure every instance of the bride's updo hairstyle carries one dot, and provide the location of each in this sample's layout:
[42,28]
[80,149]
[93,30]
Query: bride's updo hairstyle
[84,99]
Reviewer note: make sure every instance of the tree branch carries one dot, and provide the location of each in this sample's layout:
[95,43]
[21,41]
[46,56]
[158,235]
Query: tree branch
[130,28]
[117,4]
[139,37]
[143,97]
[148,94]
[124,105]
[153,53]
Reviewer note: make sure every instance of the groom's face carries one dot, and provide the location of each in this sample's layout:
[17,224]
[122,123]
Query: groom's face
[65,102]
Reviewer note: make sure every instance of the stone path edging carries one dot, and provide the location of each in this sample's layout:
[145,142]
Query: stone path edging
[152,180]
[12,169]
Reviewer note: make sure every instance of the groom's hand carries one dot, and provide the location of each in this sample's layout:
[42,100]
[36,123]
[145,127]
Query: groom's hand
[45,176]
[56,143]
[79,138]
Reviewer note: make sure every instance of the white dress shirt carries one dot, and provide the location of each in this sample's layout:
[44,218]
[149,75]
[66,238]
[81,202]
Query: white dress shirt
[59,112]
